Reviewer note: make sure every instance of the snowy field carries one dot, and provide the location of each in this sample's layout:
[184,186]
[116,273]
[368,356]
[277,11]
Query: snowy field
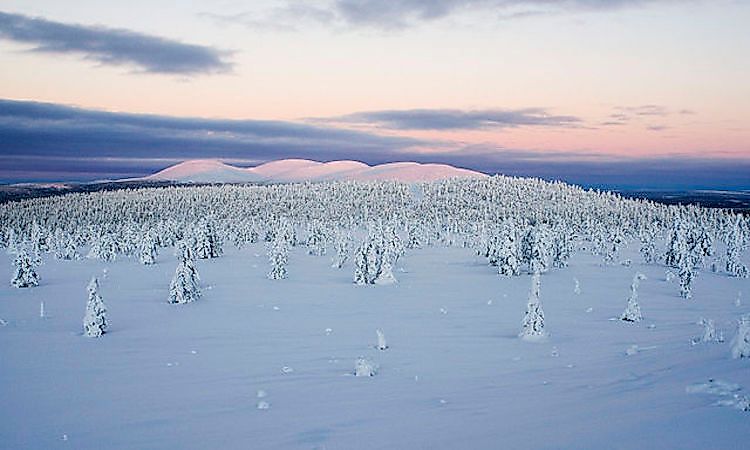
[259,363]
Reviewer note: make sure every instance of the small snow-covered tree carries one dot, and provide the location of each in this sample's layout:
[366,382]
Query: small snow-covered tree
[535,249]
[104,248]
[532,326]
[508,259]
[677,248]
[361,264]
[734,248]
[207,241]
[687,275]
[316,239]
[149,248]
[25,265]
[342,242]
[278,255]
[741,342]
[632,312]
[185,285]
[615,240]
[648,246]
[562,246]
[65,245]
[385,275]
[95,319]
[709,332]
[382,345]
[364,368]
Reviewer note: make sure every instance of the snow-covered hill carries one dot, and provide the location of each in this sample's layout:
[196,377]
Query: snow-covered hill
[295,170]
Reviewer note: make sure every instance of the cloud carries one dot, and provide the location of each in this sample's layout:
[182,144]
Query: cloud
[453,119]
[393,15]
[46,130]
[52,142]
[113,46]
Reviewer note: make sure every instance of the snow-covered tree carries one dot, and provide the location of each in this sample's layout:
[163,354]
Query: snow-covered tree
[382,344]
[734,240]
[25,265]
[677,249]
[687,275]
[632,312]
[185,285]
[362,270]
[104,248]
[207,241]
[342,242]
[648,246]
[508,259]
[709,332]
[149,248]
[278,255]
[364,368]
[532,326]
[562,246]
[741,342]
[65,245]
[535,249]
[95,319]
[316,239]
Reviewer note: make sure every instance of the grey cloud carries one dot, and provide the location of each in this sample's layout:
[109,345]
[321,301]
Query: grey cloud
[453,119]
[113,46]
[389,15]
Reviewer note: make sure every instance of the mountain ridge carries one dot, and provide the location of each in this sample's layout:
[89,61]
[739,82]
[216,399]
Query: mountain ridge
[301,170]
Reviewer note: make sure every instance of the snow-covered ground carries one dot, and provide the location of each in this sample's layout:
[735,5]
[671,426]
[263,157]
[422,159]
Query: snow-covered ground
[258,363]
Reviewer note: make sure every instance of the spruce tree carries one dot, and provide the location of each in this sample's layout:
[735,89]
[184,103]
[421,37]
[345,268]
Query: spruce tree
[632,312]
[185,285]
[278,255]
[741,342]
[25,265]
[95,319]
[532,326]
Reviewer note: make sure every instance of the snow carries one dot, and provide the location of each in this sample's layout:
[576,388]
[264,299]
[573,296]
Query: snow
[298,170]
[230,371]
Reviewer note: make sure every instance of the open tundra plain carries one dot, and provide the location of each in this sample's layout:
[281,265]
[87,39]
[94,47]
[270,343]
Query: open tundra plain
[241,317]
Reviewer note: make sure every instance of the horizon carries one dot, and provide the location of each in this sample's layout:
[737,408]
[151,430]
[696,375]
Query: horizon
[608,94]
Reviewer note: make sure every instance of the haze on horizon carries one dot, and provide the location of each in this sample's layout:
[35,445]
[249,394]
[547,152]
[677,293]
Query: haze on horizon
[634,93]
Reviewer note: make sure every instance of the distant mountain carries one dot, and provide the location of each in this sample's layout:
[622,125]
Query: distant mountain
[296,170]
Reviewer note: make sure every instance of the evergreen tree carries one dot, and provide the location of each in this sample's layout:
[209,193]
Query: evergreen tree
[95,320]
[532,326]
[535,249]
[687,275]
[316,239]
[734,248]
[361,260]
[185,285]
[677,245]
[104,248]
[207,241]
[632,312]
[25,265]
[562,246]
[508,260]
[278,255]
[149,249]
[342,242]
[741,342]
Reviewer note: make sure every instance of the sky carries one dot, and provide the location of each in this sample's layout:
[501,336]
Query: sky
[611,93]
